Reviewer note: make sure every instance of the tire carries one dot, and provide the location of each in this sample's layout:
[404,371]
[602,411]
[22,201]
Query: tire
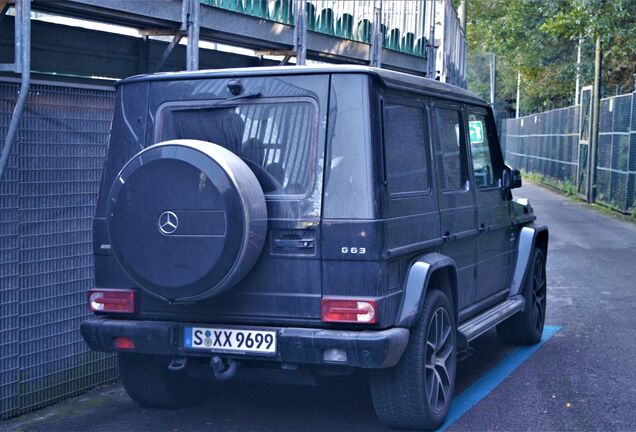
[526,327]
[404,396]
[150,384]
[187,220]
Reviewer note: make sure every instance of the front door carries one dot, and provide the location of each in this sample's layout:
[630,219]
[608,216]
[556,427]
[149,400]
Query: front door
[455,197]
[493,207]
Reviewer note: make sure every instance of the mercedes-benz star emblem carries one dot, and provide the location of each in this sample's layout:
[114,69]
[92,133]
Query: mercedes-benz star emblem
[168,222]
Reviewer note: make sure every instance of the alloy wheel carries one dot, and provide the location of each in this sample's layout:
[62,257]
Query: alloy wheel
[439,352]
[539,289]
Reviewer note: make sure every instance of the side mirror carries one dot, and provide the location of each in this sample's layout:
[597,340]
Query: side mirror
[511,178]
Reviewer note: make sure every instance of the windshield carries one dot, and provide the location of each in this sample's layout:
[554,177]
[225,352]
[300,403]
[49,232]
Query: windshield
[275,139]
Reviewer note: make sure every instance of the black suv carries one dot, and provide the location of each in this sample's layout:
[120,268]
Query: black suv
[305,221]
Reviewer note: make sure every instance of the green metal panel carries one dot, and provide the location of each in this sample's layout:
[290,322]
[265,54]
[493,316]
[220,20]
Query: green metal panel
[344,27]
[393,39]
[363,31]
[283,11]
[408,43]
[325,21]
[257,8]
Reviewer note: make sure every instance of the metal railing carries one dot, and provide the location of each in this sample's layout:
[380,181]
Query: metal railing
[402,22]
[47,200]
[451,46]
[423,28]
[551,144]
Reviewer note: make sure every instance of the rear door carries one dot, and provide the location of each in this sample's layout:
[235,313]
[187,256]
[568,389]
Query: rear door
[493,207]
[279,130]
[455,196]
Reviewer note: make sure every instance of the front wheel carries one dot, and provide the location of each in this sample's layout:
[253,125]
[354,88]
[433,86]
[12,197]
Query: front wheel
[526,327]
[148,382]
[417,392]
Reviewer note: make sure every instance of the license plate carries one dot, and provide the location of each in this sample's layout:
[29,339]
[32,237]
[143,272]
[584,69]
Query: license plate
[238,341]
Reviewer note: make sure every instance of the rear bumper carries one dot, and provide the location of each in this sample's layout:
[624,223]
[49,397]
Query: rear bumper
[365,349]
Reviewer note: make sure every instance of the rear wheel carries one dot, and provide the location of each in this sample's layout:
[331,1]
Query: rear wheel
[527,327]
[150,383]
[417,392]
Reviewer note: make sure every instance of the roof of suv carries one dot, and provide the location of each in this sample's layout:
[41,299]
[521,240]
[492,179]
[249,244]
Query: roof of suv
[388,77]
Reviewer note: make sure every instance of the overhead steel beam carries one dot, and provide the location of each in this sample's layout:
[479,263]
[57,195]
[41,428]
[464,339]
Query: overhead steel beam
[77,52]
[223,26]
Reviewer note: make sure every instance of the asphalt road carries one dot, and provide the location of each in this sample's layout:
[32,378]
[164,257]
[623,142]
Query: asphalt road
[583,378]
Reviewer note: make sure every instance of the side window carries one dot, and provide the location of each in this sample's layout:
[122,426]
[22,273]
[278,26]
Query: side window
[450,152]
[484,169]
[405,148]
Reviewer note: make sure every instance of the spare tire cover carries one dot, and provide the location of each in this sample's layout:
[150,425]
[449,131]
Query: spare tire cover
[187,219]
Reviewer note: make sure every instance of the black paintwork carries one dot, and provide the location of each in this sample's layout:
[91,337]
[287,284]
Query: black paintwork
[203,211]
[380,349]
[397,80]
[471,234]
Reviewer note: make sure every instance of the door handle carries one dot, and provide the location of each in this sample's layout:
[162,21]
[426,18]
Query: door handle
[447,237]
[483,228]
[294,243]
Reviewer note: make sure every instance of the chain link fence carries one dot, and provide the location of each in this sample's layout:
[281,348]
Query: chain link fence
[616,168]
[550,144]
[47,199]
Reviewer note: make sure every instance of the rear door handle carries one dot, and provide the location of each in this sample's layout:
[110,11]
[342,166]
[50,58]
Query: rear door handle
[447,237]
[294,243]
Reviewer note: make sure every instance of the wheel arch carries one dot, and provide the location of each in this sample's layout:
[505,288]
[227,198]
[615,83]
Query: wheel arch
[542,238]
[429,271]
[530,236]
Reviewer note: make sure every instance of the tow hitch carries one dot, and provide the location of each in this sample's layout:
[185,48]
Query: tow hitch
[223,371]
[178,363]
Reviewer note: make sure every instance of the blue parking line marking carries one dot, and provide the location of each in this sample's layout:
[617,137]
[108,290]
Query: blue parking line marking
[480,389]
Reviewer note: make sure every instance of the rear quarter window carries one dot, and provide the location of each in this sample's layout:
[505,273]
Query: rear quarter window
[450,152]
[405,144]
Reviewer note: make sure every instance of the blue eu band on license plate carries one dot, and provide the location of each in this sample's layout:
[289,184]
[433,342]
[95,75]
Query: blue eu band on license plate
[242,341]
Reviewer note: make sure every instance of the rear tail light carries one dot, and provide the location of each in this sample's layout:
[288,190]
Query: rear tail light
[349,311]
[111,300]
[124,343]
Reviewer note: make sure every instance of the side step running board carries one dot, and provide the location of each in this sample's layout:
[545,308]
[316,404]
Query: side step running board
[486,320]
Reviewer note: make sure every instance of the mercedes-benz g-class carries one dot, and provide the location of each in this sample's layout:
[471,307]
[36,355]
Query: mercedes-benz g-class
[306,221]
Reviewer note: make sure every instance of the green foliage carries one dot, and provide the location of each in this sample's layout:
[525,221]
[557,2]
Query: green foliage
[539,38]
[569,190]
[564,186]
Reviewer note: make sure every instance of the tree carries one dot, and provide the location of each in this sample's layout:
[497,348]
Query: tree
[539,38]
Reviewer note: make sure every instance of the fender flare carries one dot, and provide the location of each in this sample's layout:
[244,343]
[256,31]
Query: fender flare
[528,236]
[416,286]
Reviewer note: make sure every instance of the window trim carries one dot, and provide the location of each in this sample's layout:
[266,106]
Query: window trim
[170,106]
[469,183]
[489,132]
[396,100]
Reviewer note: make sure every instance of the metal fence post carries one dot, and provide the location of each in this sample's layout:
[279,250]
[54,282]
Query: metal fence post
[518,94]
[631,155]
[23,66]
[300,32]
[192,51]
[377,38]
[596,102]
